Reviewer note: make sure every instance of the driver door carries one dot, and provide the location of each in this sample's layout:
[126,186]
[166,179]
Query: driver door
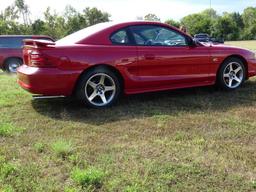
[165,60]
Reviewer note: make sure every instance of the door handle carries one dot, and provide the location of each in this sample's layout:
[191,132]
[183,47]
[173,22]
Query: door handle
[149,57]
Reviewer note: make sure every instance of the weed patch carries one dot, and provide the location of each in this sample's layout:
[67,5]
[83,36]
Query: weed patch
[88,177]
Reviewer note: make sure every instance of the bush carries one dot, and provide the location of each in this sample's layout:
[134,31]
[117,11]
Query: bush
[6,169]
[39,147]
[8,188]
[62,148]
[90,176]
[7,129]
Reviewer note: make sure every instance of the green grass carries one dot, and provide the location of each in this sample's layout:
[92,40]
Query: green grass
[245,44]
[7,129]
[196,139]
[90,177]
[39,147]
[62,148]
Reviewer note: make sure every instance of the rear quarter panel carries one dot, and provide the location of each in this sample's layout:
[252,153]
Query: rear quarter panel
[78,58]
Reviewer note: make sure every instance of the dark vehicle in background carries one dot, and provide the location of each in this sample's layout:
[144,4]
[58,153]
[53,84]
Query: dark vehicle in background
[11,50]
[202,37]
[205,38]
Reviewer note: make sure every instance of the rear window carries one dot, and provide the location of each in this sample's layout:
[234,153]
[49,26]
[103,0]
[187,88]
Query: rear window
[11,42]
[82,34]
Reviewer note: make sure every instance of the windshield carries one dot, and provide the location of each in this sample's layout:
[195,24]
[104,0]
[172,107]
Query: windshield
[82,34]
[201,36]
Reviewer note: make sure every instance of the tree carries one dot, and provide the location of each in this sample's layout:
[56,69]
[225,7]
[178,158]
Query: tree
[210,13]
[23,10]
[38,27]
[238,19]
[249,20]
[74,20]
[226,27]
[54,24]
[9,14]
[173,23]
[151,17]
[8,23]
[94,16]
[197,23]
[15,19]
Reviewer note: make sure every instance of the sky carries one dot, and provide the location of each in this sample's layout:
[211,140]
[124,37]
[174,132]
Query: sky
[123,10]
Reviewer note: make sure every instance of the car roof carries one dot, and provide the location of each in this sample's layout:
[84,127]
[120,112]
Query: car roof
[130,23]
[99,33]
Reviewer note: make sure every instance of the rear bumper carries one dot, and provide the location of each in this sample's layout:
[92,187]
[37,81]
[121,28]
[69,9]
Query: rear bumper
[46,81]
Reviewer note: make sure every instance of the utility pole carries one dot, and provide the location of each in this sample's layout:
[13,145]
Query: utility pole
[211,17]
[211,9]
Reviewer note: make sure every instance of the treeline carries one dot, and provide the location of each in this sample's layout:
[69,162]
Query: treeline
[229,26]
[16,19]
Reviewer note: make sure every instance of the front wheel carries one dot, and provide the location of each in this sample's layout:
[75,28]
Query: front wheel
[231,74]
[98,88]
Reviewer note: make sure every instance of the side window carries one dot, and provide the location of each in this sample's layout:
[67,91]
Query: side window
[11,42]
[138,39]
[120,37]
[151,35]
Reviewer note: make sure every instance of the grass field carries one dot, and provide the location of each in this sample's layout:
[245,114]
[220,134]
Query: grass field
[246,44]
[196,139]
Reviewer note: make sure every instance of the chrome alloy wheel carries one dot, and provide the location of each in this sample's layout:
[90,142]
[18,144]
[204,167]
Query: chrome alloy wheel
[12,67]
[233,75]
[100,89]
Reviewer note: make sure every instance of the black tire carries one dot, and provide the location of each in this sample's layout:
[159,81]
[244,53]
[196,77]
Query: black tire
[230,72]
[12,64]
[84,90]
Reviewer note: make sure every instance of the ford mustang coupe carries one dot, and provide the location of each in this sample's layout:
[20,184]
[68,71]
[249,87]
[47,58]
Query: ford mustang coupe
[100,62]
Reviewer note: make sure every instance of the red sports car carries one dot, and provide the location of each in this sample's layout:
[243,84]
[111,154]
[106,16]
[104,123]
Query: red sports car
[100,62]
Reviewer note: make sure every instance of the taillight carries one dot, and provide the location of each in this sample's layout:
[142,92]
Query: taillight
[37,59]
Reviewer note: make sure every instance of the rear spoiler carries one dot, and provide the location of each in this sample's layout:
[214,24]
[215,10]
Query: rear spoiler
[37,43]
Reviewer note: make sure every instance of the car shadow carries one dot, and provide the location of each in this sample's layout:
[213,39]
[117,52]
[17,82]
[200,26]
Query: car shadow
[202,99]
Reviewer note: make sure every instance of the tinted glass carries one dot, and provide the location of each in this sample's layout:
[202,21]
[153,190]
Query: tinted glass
[157,36]
[120,37]
[201,36]
[44,38]
[11,42]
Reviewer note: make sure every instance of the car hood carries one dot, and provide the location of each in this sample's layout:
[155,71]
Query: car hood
[223,46]
[229,49]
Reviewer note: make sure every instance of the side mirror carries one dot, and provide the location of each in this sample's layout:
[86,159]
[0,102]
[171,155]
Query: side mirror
[191,42]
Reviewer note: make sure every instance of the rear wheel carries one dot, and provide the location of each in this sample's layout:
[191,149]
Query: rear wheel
[12,64]
[98,88]
[231,74]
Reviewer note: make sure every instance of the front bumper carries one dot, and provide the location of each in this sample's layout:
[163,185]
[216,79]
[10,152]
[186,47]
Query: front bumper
[251,67]
[46,81]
